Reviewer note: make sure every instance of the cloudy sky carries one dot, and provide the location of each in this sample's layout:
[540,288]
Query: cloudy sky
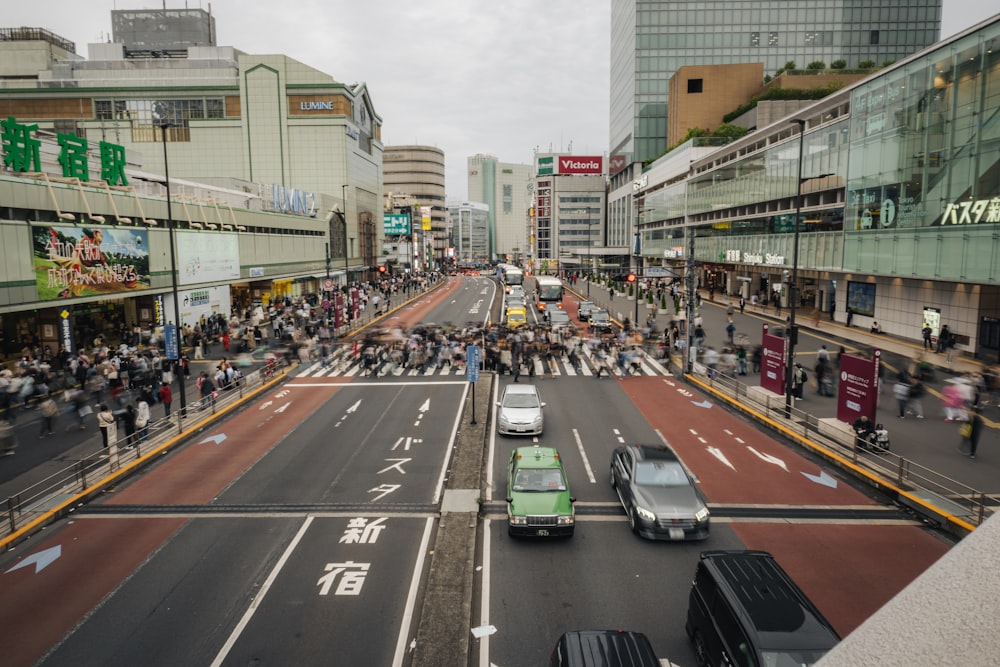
[466,76]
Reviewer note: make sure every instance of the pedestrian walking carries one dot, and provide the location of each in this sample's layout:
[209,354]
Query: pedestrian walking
[8,439]
[901,392]
[970,431]
[743,304]
[105,420]
[730,331]
[142,420]
[48,411]
[166,397]
[915,404]
[850,315]
[926,331]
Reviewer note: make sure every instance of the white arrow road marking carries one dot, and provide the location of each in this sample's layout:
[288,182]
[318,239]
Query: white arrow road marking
[40,559]
[283,407]
[702,404]
[217,439]
[770,459]
[426,406]
[353,408]
[823,478]
[265,405]
[717,453]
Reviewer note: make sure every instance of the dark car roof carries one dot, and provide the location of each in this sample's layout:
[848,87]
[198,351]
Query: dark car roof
[604,648]
[653,453]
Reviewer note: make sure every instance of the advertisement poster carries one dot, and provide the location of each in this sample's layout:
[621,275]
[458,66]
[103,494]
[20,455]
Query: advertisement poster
[338,310]
[206,257]
[772,365]
[857,393]
[89,261]
[355,303]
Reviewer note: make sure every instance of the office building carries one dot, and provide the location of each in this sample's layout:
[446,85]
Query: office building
[506,188]
[416,174]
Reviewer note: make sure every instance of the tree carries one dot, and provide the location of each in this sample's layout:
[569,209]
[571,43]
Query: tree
[816,65]
[789,66]
[663,301]
[838,64]
[631,291]
[866,64]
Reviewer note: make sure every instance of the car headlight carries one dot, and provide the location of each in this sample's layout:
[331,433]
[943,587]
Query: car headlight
[645,513]
[517,520]
[567,520]
[701,515]
[537,420]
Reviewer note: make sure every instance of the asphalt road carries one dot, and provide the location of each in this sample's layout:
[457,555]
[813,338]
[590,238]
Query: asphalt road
[306,534]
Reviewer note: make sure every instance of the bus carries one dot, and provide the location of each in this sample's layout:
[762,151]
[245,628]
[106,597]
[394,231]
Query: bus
[511,275]
[548,289]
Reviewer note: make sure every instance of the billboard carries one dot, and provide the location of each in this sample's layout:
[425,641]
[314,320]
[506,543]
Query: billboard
[396,223]
[772,365]
[204,257]
[857,392]
[74,261]
[577,164]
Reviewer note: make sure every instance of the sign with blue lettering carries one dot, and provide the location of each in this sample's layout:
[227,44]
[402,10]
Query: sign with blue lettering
[473,356]
[170,341]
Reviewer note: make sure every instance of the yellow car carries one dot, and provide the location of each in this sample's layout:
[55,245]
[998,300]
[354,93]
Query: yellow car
[516,317]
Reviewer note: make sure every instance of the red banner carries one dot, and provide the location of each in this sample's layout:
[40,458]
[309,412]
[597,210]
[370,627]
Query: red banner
[772,363]
[338,309]
[857,391]
[576,164]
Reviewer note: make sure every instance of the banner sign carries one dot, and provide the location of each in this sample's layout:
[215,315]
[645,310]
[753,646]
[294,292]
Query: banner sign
[772,365]
[206,257]
[355,303]
[338,309]
[66,330]
[396,223]
[473,358]
[857,392]
[89,261]
[171,342]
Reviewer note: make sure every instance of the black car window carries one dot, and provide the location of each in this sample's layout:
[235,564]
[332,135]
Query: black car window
[660,473]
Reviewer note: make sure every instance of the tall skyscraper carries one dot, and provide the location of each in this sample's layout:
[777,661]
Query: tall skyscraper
[651,39]
[506,188]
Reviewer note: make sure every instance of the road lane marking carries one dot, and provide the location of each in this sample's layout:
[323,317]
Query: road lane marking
[257,599]
[583,455]
[411,596]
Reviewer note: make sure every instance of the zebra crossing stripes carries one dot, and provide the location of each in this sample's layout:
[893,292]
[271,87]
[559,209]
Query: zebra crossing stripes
[349,367]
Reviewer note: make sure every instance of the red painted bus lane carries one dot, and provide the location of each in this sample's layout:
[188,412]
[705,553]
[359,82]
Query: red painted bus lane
[98,553]
[849,569]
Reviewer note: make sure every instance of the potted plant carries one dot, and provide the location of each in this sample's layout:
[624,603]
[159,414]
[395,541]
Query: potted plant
[649,301]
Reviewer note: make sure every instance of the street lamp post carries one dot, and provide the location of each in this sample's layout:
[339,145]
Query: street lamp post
[343,219]
[171,228]
[793,283]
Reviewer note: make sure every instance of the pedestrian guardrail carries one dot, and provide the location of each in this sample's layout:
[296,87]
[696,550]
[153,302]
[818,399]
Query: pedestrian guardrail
[936,497]
[57,494]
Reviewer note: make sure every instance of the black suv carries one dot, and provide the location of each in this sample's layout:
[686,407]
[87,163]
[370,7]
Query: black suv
[745,610]
[603,648]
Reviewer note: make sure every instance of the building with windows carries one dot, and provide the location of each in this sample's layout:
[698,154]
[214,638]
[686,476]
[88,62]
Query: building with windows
[417,173]
[651,40]
[899,179]
[275,168]
[470,232]
[506,188]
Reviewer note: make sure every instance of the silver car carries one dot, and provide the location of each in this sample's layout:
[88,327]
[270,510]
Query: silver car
[519,411]
[659,496]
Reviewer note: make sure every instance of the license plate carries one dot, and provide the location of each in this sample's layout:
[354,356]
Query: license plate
[542,532]
[676,533]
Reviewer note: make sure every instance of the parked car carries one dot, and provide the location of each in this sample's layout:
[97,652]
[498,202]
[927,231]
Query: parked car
[659,496]
[600,321]
[520,411]
[583,311]
[745,610]
[539,503]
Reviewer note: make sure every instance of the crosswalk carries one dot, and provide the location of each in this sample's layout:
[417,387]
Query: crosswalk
[352,367]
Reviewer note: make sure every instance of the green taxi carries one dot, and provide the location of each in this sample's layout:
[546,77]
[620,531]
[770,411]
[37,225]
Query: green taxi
[539,503]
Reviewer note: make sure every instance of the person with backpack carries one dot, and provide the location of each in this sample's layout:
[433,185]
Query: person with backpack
[799,379]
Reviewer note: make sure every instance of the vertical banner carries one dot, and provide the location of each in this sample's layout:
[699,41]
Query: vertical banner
[171,342]
[857,392]
[355,303]
[772,364]
[66,330]
[158,319]
[338,309]
[473,358]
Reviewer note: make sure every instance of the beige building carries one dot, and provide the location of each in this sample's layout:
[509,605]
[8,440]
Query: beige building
[700,95]
[416,174]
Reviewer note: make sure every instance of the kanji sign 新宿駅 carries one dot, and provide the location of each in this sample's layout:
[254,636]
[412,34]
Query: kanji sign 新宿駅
[21,153]
[80,261]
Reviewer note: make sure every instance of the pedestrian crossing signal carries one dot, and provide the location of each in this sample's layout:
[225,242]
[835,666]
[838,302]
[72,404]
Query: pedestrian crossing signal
[381,268]
[631,278]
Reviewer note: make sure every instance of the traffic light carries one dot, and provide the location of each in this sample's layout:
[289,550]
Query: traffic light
[381,268]
[631,278]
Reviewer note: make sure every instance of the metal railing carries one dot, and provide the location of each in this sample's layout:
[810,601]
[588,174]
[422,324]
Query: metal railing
[52,496]
[926,491]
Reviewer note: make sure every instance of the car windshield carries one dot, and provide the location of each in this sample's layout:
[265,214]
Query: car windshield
[516,317]
[599,315]
[660,473]
[520,401]
[791,658]
[532,480]
[559,316]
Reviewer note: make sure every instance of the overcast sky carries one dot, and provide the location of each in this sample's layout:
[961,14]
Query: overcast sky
[466,76]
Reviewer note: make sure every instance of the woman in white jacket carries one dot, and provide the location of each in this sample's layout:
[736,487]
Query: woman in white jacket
[142,420]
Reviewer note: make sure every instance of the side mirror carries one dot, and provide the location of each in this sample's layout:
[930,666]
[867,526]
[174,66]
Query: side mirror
[543,404]
[572,499]
[498,403]
[509,499]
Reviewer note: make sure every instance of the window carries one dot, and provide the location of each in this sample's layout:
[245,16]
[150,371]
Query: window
[772,39]
[695,85]
[755,39]
[873,37]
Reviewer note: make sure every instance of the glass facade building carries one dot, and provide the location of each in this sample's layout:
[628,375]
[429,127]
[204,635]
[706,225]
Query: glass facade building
[900,200]
[650,40]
